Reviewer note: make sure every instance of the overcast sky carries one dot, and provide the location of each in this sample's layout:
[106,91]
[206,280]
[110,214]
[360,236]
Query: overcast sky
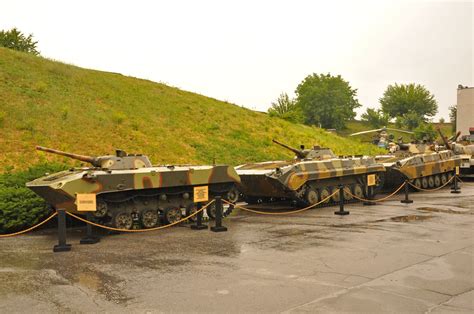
[248,52]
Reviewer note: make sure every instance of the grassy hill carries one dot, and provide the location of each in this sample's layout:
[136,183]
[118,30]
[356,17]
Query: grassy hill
[49,103]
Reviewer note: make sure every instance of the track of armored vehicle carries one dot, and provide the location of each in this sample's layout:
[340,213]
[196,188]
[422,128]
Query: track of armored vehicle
[311,177]
[130,191]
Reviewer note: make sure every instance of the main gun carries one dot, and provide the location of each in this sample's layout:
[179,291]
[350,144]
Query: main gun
[92,160]
[299,153]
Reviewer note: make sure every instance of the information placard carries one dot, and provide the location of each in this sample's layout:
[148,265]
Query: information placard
[370,179]
[86,202]
[201,194]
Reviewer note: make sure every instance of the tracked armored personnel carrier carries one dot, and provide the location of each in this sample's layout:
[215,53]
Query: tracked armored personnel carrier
[311,176]
[128,189]
[464,149]
[420,163]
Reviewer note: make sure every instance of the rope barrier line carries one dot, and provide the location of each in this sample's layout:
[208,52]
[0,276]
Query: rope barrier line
[282,213]
[379,199]
[435,189]
[29,229]
[140,230]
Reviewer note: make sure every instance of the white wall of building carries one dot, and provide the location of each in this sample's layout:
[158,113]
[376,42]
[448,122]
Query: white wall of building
[465,110]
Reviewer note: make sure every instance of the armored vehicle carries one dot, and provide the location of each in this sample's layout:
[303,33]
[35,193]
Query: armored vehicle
[127,189]
[310,177]
[465,150]
[421,163]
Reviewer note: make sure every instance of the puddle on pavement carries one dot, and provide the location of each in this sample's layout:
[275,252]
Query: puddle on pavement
[406,218]
[109,287]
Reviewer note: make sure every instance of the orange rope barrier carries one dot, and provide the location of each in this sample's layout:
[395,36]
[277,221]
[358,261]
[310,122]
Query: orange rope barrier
[29,229]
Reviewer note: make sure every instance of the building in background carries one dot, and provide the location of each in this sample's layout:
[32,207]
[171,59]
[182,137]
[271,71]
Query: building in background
[465,110]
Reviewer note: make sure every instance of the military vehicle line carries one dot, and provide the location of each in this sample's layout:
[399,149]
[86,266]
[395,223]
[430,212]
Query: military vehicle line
[128,190]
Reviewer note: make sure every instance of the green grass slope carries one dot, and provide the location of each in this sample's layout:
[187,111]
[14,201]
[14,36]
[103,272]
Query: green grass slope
[49,103]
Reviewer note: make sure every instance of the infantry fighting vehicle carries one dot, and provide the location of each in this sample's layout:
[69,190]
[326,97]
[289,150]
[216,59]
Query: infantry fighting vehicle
[465,150]
[129,189]
[424,164]
[310,177]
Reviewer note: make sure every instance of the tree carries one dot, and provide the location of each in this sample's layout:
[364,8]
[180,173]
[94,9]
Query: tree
[441,120]
[453,113]
[400,100]
[375,118]
[410,121]
[326,100]
[425,131]
[16,40]
[285,107]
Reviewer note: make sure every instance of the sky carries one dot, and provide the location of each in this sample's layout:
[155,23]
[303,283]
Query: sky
[248,52]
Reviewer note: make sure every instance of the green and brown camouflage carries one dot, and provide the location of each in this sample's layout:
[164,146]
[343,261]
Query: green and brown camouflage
[310,177]
[464,150]
[128,187]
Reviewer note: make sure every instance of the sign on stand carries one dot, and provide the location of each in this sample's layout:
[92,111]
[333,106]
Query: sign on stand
[371,180]
[201,194]
[86,202]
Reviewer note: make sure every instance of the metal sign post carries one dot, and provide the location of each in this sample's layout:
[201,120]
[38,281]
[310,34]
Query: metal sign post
[62,246]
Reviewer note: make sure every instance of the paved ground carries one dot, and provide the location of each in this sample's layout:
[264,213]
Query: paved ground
[387,258]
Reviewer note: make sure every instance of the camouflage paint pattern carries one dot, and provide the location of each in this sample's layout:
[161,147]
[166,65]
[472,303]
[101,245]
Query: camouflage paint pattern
[127,173]
[285,179]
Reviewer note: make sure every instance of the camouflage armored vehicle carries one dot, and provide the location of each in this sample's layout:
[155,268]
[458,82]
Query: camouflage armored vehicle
[464,149]
[420,163]
[128,189]
[310,177]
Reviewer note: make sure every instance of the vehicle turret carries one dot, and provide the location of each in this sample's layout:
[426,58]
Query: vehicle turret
[120,161]
[315,153]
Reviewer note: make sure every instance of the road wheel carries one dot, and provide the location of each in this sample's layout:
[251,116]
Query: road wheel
[417,184]
[335,197]
[444,178]
[191,209]
[431,182]
[358,191]
[211,211]
[323,194]
[171,215]
[149,218]
[311,196]
[101,210]
[233,195]
[123,220]
[424,182]
[437,180]
[347,193]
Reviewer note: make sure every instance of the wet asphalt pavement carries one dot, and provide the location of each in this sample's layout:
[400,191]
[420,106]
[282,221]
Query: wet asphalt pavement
[387,258]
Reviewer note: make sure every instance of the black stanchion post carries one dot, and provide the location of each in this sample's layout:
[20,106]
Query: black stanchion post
[62,246]
[199,225]
[90,238]
[406,200]
[219,227]
[455,189]
[370,196]
[341,210]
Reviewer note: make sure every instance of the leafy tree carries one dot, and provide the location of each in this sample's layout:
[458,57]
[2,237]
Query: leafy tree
[441,120]
[16,40]
[326,100]
[285,107]
[410,121]
[425,131]
[404,99]
[375,118]
[453,111]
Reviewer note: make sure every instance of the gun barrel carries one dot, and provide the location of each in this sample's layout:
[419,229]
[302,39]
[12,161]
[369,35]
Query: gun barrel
[84,158]
[298,152]
[445,140]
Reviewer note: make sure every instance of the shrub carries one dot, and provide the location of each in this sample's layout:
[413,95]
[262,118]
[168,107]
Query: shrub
[20,208]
